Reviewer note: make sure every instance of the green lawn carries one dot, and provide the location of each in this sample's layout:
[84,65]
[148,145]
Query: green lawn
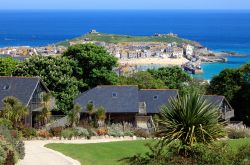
[102,153]
[110,153]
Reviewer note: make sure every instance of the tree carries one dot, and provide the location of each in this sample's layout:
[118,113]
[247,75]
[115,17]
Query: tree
[194,86]
[7,66]
[14,110]
[172,77]
[234,84]
[227,83]
[74,116]
[90,110]
[190,119]
[45,114]
[143,79]
[101,116]
[58,74]
[94,64]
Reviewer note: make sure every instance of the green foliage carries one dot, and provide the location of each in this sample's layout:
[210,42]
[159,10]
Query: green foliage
[193,86]
[143,79]
[114,38]
[243,155]
[11,146]
[28,132]
[191,119]
[82,132]
[7,66]
[235,85]
[6,123]
[94,63]
[118,130]
[68,133]
[58,74]
[74,116]
[14,110]
[44,116]
[172,77]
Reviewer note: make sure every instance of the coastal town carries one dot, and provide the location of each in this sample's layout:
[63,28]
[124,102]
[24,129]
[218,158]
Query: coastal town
[133,54]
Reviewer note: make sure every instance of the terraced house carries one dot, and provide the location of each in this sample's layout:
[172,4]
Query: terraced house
[29,90]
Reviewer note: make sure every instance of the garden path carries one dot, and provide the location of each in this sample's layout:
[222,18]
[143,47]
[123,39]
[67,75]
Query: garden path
[37,154]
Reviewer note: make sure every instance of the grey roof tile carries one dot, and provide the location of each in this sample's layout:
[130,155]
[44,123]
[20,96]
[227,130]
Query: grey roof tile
[19,87]
[126,100]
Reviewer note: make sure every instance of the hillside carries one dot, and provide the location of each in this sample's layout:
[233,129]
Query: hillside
[114,38]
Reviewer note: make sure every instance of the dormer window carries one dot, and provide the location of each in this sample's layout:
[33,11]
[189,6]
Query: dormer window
[114,94]
[155,97]
[6,87]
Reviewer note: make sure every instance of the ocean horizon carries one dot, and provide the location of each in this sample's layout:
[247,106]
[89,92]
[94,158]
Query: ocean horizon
[219,30]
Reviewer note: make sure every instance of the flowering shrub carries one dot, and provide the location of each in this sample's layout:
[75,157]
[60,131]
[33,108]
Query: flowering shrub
[56,132]
[43,134]
[101,131]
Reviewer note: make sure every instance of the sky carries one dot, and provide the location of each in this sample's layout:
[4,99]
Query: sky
[125,4]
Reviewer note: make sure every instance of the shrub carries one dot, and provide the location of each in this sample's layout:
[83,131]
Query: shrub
[56,132]
[9,155]
[142,133]
[82,132]
[115,130]
[237,132]
[14,139]
[43,134]
[6,123]
[92,132]
[28,132]
[243,155]
[101,131]
[68,133]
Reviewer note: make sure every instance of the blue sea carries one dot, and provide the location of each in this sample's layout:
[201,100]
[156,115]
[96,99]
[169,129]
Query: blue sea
[217,30]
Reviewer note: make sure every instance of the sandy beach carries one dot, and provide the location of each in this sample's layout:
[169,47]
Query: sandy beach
[159,61]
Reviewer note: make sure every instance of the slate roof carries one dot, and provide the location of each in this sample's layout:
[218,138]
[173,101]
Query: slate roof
[214,99]
[125,102]
[155,99]
[19,87]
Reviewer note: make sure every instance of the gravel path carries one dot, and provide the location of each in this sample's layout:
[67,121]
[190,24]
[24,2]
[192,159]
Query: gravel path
[37,154]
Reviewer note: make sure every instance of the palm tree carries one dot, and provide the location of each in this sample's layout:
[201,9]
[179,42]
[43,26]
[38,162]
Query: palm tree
[74,116]
[14,110]
[45,114]
[101,116]
[190,119]
[90,110]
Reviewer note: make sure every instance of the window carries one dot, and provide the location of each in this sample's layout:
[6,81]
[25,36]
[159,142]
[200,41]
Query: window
[155,97]
[114,95]
[6,87]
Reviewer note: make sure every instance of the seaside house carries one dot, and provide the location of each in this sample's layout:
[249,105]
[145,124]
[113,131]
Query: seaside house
[126,103]
[137,106]
[29,90]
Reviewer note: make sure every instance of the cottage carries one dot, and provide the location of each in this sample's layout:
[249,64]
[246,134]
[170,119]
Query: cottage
[28,90]
[137,106]
[226,111]
[126,103]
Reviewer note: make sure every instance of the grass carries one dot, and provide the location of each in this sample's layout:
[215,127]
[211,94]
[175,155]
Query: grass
[110,153]
[113,38]
[102,153]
